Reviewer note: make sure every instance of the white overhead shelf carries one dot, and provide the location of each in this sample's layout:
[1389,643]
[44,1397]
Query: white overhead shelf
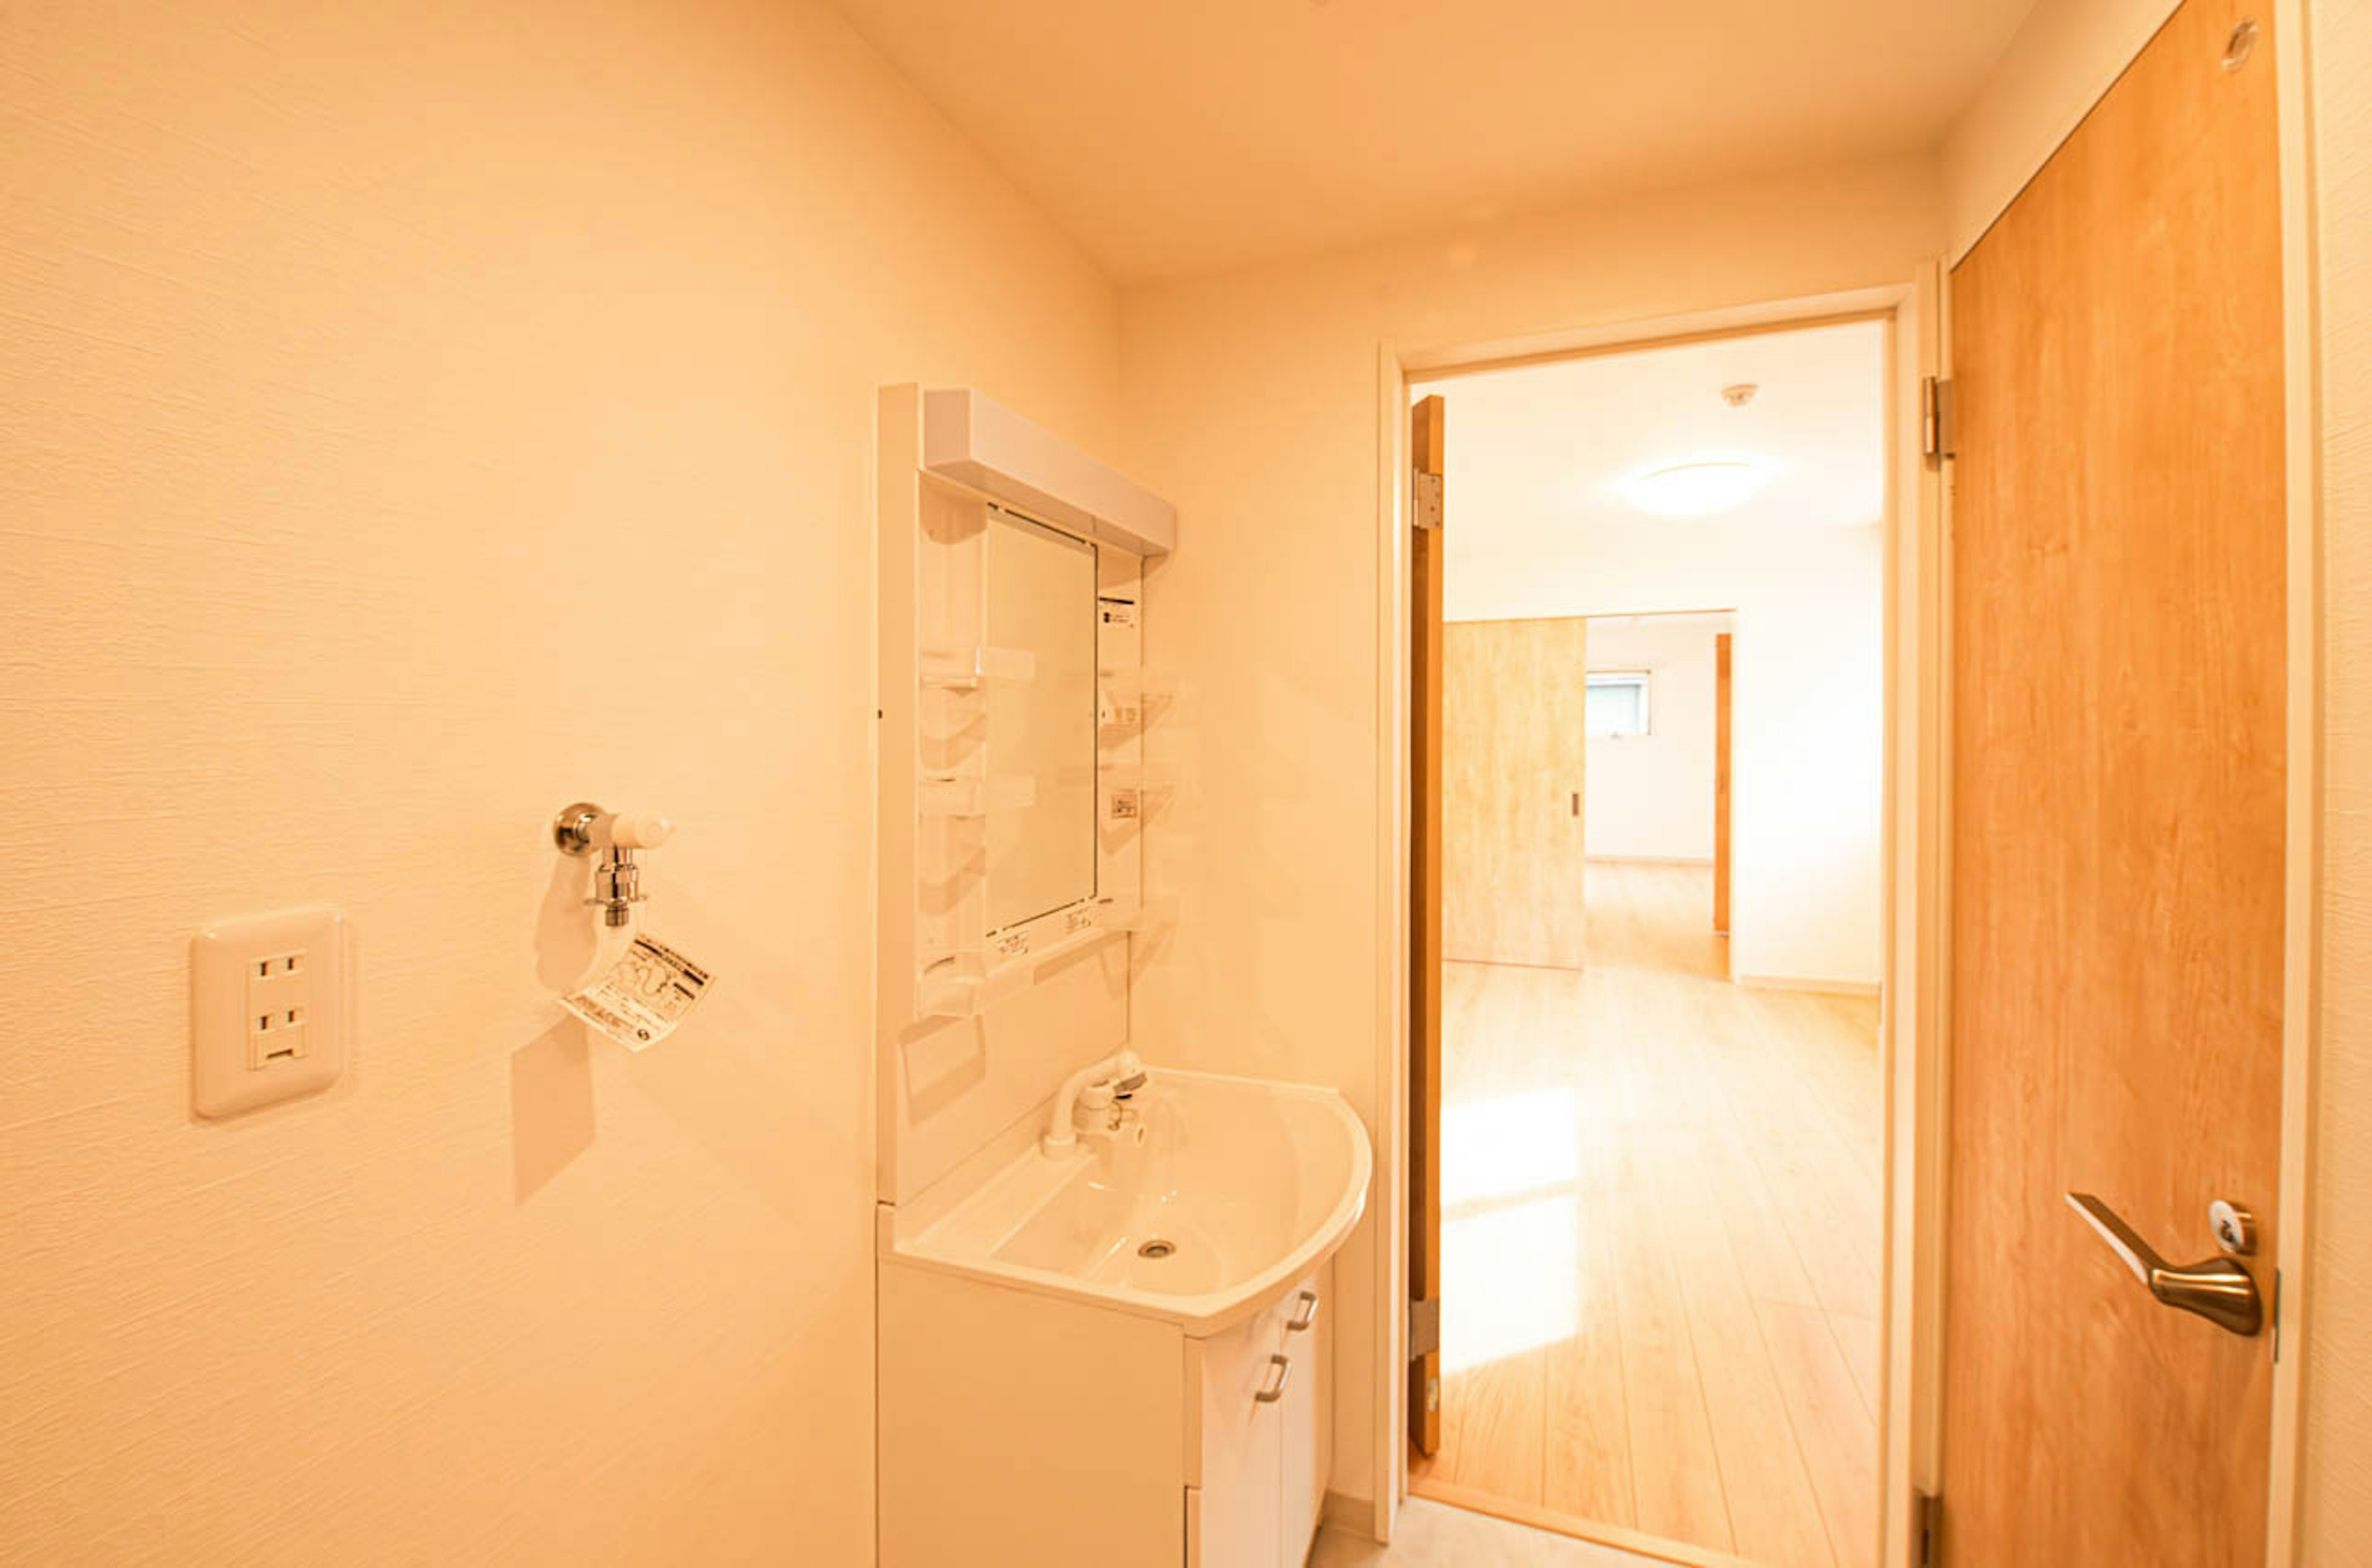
[979,442]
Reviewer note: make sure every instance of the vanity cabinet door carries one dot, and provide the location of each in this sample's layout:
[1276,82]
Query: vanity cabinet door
[1307,1430]
[1237,1520]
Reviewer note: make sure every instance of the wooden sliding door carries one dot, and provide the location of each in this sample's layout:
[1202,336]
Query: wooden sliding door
[1514,727]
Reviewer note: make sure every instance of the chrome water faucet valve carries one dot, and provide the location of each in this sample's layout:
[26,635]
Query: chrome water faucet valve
[1101,1090]
[584,829]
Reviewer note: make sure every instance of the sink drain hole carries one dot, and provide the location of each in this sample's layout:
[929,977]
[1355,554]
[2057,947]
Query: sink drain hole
[1157,1249]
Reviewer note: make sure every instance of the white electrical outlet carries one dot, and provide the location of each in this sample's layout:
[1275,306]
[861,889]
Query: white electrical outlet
[268,1009]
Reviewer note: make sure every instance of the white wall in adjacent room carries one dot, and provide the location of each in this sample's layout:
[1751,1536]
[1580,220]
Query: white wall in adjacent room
[1650,797]
[1806,704]
[1544,518]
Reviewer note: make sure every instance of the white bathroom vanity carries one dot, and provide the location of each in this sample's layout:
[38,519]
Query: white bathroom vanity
[1122,1358]
[1104,1321]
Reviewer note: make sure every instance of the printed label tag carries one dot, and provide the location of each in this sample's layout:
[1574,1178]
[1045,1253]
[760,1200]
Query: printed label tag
[643,996]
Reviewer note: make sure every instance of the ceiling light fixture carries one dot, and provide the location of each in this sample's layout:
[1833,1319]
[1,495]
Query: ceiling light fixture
[1696,490]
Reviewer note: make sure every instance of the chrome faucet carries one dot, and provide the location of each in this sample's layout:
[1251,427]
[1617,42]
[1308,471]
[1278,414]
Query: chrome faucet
[1116,1079]
[617,881]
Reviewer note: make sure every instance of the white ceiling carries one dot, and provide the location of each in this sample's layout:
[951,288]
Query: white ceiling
[1174,138]
[1538,458]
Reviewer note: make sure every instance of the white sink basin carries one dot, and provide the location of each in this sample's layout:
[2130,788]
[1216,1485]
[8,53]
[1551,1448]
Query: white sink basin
[1238,1188]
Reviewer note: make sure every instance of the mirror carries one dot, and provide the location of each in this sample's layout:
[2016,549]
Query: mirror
[1041,600]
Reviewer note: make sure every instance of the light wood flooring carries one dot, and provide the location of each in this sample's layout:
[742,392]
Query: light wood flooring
[1660,1241]
[1433,1536]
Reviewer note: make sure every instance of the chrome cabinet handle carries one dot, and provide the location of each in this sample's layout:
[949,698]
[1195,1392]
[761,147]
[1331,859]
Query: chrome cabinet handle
[1306,1316]
[1280,1372]
[2218,1290]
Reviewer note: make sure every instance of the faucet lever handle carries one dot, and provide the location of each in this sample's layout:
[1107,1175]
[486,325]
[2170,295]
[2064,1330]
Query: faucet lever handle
[640,829]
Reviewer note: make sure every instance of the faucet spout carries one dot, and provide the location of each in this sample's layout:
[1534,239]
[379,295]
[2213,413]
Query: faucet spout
[1123,1071]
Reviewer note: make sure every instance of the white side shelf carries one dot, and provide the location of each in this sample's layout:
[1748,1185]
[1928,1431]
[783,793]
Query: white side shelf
[1112,915]
[970,668]
[1143,682]
[974,797]
[1135,775]
[965,988]
[1126,698]
[949,991]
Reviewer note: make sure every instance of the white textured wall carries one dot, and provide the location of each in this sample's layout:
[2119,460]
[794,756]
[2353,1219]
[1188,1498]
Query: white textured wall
[418,416]
[1252,401]
[1650,797]
[2338,1501]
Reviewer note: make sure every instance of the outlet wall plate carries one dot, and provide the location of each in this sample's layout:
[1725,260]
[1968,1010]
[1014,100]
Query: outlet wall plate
[269,1008]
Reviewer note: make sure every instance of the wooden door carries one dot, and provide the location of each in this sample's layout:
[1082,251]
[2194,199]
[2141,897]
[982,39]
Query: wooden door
[1513,747]
[1427,546]
[1721,644]
[2117,904]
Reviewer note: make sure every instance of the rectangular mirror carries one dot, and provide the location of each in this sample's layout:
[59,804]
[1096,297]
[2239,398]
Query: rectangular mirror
[1041,600]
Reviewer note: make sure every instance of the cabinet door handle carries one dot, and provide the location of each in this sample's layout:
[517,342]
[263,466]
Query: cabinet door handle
[1280,1373]
[1304,1315]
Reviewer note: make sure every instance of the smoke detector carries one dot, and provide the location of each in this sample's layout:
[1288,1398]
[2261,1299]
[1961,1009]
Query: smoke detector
[1740,395]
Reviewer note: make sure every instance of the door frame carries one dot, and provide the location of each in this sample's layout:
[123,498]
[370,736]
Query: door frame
[1724,688]
[1912,837]
[1913,1044]
[2302,814]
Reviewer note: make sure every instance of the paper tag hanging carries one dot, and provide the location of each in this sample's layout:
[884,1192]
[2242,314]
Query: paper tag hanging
[641,999]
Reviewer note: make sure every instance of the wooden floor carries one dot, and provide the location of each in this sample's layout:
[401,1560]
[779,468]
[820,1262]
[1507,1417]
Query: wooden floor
[1430,1535]
[1660,1241]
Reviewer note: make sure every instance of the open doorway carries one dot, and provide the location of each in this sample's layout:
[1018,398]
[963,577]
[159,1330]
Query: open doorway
[1656,794]
[1658,945]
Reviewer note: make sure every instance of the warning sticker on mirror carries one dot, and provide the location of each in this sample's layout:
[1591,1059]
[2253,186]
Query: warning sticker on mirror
[643,996]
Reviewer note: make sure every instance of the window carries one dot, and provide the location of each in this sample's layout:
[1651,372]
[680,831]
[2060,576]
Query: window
[1616,705]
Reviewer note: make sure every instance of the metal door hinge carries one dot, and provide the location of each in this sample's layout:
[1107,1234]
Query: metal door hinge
[1938,438]
[1426,491]
[1927,1530]
[1424,1327]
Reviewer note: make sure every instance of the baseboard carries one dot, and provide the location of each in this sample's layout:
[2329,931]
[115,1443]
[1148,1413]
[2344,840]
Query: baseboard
[1344,1512]
[1806,982]
[1648,859]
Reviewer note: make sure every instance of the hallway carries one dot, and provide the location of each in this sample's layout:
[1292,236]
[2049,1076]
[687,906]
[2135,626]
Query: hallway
[1661,1237]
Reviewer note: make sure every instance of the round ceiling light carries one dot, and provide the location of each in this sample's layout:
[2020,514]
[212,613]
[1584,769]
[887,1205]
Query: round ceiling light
[1696,490]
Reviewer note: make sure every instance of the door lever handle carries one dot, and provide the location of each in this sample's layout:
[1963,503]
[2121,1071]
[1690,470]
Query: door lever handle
[2218,1290]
